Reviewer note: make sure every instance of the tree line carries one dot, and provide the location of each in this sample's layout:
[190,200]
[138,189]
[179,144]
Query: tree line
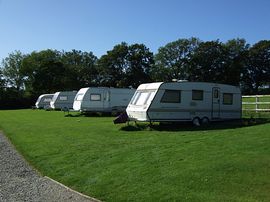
[23,77]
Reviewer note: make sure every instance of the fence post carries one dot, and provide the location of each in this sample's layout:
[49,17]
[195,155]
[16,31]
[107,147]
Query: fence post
[256,105]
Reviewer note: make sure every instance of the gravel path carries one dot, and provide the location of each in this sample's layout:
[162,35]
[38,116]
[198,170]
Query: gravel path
[19,182]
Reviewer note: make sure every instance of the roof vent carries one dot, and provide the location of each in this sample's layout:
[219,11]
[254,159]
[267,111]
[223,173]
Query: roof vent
[176,80]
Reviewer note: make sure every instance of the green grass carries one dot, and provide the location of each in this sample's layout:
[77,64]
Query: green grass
[220,163]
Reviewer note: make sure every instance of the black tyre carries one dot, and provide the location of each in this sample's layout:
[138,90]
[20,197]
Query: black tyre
[205,121]
[196,121]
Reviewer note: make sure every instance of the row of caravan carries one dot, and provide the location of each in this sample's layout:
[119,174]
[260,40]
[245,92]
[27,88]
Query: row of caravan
[198,102]
[91,99]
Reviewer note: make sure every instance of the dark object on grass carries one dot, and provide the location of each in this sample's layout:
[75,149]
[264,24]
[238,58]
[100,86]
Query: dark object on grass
[122,118]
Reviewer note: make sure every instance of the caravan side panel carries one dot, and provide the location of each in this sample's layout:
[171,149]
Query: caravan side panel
[104,99]
[120,98]
[63,99]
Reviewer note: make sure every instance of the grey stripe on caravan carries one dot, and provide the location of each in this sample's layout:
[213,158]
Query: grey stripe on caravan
[190,110]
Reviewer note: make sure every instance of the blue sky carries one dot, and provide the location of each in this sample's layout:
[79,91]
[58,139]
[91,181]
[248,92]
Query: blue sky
[98,25]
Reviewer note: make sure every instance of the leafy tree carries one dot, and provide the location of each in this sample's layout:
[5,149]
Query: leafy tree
[44,72]
[125,65]
[113,65]
[12,82]
[172,60]
[11,70]
[237,50]
[2,80]
[208,62]
[2,88]
[80,69]
[140,62]
[257,72]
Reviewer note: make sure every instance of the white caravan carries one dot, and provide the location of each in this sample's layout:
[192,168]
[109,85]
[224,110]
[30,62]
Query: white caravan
[199,102]
[43,101]
[63,100]
[102,99]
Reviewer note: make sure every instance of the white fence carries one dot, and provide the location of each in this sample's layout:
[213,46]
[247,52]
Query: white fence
[256,104]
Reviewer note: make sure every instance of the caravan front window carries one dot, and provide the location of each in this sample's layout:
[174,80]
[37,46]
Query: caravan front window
[47,100]
[135,98]
[142,98]
[79,97]
[150,98]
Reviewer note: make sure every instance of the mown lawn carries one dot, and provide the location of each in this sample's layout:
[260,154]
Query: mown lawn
[90,154]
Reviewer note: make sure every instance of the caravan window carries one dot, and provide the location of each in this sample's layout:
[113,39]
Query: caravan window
[63,98]
[142,98]
[135,98]
[47,100]
[216,93]
[227,98]
[171,96]
[79,97]
[197,94]
[150,98]
[95,97]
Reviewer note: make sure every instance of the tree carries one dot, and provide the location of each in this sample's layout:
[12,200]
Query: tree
[2,80]
[208,62]
[12,82]
[80,68]
[113,65]
[125,65]
[140,62]
[2,87]
[44,72]
[172,60]
[257,72]
[237,50]
[11,70]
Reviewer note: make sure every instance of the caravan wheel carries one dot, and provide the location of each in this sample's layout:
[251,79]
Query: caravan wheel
[196,121]
[205,121]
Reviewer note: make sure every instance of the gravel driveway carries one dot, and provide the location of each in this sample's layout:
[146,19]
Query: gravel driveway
[20,182]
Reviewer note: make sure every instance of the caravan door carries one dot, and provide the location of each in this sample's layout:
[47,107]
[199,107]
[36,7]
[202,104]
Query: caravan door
[106,100]
[215,103]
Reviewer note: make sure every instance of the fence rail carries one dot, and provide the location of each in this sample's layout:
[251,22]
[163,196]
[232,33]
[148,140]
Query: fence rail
[256,105]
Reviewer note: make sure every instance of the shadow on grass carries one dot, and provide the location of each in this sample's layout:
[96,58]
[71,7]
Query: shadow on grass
[92,114]
[184,126]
